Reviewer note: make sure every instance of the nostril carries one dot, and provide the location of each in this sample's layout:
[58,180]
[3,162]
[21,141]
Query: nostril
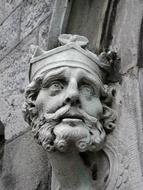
[77,101]
[68,100]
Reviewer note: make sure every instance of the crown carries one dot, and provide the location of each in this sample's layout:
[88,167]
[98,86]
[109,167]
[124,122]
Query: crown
[71,53]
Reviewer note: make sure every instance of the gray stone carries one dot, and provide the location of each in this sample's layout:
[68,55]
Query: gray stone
[125,42]
[129,132]
[7,7]
[43,31]
[9,33]
[82,19]
[25,165]
[126,32]
[140,128]
[59,21]
[13,80]
[21,22]
[33,14]
[15,65]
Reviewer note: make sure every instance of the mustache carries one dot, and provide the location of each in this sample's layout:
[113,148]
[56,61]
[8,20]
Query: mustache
[67,111]
[55,118]
[56,115]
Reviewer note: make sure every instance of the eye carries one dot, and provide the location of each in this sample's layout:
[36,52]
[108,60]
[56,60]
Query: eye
[87,90]
[55,87]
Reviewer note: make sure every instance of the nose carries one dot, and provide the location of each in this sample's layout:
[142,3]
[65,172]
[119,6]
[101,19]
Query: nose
[72,94]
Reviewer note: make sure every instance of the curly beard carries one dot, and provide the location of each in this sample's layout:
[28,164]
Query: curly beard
[85,134]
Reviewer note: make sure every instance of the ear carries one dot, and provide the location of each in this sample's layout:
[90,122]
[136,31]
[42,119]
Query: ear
[36,51]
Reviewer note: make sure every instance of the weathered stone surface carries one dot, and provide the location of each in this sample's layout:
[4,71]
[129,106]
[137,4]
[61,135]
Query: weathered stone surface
[83,16]
[7,7]
[14,77]
[43,30]
[125,42]
[140,133]
[33,13]
[9,33]
[25,165]
[58,21]
[21,22]
[14,67]
[2,141]
[140,47]
[126,32]
[129,130]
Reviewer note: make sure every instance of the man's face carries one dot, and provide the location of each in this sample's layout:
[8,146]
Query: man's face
[74,86]
[72,96]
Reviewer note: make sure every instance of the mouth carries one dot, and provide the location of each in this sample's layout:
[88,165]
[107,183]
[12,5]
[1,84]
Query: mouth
[71,118]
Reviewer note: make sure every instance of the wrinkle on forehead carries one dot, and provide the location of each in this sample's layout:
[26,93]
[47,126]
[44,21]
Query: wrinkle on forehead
[84,74]
[79,74]
[54,73]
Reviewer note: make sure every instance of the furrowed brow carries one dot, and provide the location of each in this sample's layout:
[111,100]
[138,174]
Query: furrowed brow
[54,74]
[94,79]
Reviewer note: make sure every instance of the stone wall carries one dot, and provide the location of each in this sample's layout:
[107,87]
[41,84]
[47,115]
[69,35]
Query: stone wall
[126,40]
[22,23]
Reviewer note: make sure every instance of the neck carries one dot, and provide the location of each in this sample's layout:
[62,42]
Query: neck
[69,172]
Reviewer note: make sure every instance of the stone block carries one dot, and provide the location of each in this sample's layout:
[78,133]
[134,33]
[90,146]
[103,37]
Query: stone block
[140,78]
[14,67]
[14,78]
[43,31]
[9,33]
[126,32]
[7,7]
[82,19]
[33,13]
[129,131]
[25,165]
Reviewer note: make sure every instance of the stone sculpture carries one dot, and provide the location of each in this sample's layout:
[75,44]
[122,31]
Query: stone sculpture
[69,107]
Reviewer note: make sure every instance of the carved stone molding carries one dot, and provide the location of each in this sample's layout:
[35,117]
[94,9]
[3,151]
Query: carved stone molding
[119,165]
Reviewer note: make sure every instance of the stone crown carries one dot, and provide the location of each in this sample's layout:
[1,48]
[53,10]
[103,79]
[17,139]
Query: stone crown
[71,55]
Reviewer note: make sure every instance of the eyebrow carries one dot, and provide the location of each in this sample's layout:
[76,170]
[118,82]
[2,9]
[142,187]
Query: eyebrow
[94,79]
[54,74]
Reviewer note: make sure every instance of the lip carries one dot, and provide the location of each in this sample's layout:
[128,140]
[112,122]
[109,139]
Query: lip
[71,120]
[72,117]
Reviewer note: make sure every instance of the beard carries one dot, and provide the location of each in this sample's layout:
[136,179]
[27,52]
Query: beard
[69,127]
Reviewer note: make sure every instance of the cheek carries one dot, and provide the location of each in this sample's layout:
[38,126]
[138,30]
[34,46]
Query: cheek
[46,103]
[93,107]
[41,101]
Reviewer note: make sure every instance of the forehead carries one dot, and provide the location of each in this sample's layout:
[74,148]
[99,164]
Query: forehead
[71,72]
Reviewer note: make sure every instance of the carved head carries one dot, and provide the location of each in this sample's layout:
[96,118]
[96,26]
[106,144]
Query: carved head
[66,102]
